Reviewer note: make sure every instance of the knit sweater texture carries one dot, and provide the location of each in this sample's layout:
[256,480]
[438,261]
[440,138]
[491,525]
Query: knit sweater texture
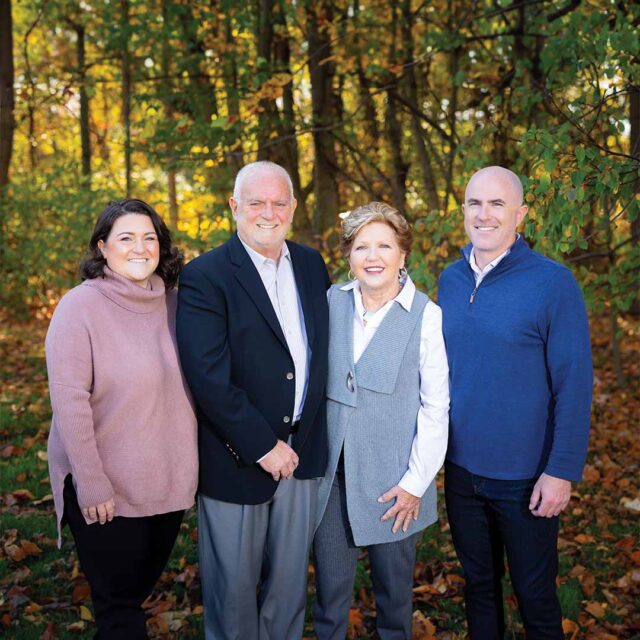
[520,367]
[123,423]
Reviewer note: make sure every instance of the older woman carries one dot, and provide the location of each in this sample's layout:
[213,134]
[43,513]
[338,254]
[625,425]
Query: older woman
[388,400]
[122,446]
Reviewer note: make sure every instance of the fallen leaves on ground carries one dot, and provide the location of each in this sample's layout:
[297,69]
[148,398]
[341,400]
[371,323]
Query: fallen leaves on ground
[423,628]
[599,551]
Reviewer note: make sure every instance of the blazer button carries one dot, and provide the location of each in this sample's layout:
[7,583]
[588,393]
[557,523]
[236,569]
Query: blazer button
[286,419]
[289,376]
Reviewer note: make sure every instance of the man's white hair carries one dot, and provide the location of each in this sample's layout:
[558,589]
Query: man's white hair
[254,168]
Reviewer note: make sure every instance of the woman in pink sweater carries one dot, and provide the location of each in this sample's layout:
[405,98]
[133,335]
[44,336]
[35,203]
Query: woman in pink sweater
[123,446]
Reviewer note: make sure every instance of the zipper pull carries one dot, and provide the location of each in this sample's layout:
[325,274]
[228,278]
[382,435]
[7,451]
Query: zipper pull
[473,295]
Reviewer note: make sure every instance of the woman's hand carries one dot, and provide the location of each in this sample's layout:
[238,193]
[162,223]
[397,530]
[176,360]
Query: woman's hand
[405,509]
[102,512]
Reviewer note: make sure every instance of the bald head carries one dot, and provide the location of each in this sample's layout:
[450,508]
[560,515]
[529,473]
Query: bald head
[493,210]
[506,178]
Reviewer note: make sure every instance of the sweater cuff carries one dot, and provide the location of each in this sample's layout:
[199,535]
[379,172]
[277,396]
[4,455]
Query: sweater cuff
[572,475]
[93,491]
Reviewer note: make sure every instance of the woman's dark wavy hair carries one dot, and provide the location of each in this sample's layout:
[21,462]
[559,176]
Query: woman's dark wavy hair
[171,259]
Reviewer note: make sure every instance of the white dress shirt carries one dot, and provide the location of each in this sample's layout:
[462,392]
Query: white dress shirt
[430,442]
[279,281]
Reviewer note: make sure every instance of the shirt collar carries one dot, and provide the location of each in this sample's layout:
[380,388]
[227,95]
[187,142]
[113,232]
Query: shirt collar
[259,260]
[404,298]
[491,265]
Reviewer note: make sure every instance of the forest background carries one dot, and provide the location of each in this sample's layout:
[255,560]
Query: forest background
[394,100]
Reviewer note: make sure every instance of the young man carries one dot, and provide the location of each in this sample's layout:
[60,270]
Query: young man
[517,340]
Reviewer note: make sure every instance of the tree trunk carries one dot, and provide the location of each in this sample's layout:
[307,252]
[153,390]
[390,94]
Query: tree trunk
[323,104]
[126,92]
[103,133]
[399,169]
[276,132]
[370,120]
[202,99]
[205,104]
[230,66]
[282,51]
[268,113]
[81,74]
[168,114]
[85,140]
[370,123]
[428,177]
[454,64]
[30,93]
[634,118]
[7,123]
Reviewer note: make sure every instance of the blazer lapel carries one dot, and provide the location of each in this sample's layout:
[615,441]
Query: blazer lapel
[301,273]
[251,282]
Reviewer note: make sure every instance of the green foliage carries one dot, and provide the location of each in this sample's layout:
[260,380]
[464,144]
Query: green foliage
[47,224]
[423,94]
[47,227]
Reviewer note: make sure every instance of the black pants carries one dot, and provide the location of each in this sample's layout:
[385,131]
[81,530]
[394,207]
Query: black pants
[122,560]
[490,516]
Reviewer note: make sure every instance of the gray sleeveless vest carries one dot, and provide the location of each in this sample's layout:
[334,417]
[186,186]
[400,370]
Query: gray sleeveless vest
[372,412]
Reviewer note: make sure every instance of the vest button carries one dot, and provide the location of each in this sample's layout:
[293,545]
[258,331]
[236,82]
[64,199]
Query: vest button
[286,419]
[350,378]
[289,376]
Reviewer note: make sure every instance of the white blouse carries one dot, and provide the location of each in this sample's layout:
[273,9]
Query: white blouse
[430,442]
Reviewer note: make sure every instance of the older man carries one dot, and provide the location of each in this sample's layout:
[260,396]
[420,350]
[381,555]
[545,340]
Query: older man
[517,339]
[252,331]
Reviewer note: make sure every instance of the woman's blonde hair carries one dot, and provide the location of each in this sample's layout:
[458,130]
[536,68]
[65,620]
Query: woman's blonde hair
[375,212]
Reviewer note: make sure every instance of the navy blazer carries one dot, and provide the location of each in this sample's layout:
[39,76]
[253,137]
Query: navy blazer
[236,360]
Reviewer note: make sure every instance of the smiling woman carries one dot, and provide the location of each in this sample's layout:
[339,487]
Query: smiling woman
[122,446]
[376,260]
[387,420]
[132,248]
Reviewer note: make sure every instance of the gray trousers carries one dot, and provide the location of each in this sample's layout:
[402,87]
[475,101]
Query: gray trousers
[254,561]
[335,558]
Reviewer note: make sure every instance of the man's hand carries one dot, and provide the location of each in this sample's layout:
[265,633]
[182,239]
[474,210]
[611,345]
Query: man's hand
[280,462]
[102,512]
[405,509]
[550,496]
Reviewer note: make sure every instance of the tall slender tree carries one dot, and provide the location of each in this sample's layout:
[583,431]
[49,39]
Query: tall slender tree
[167,103]
[76,23]
[634,145]
[7,122]
[424,156]
[399,167]
[125,70]
[324,117]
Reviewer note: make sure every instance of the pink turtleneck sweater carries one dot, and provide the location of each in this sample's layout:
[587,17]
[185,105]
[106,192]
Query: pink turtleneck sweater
[123,422]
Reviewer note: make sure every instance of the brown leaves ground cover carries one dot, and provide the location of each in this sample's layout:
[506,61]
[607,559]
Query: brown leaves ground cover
[43,593]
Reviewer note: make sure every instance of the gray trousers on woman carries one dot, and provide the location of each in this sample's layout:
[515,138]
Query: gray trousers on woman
[335,558]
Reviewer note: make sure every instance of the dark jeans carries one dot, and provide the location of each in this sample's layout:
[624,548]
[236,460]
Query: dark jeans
[488,517]
[122,560]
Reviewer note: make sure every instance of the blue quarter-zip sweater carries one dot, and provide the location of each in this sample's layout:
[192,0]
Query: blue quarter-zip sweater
[520,367]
